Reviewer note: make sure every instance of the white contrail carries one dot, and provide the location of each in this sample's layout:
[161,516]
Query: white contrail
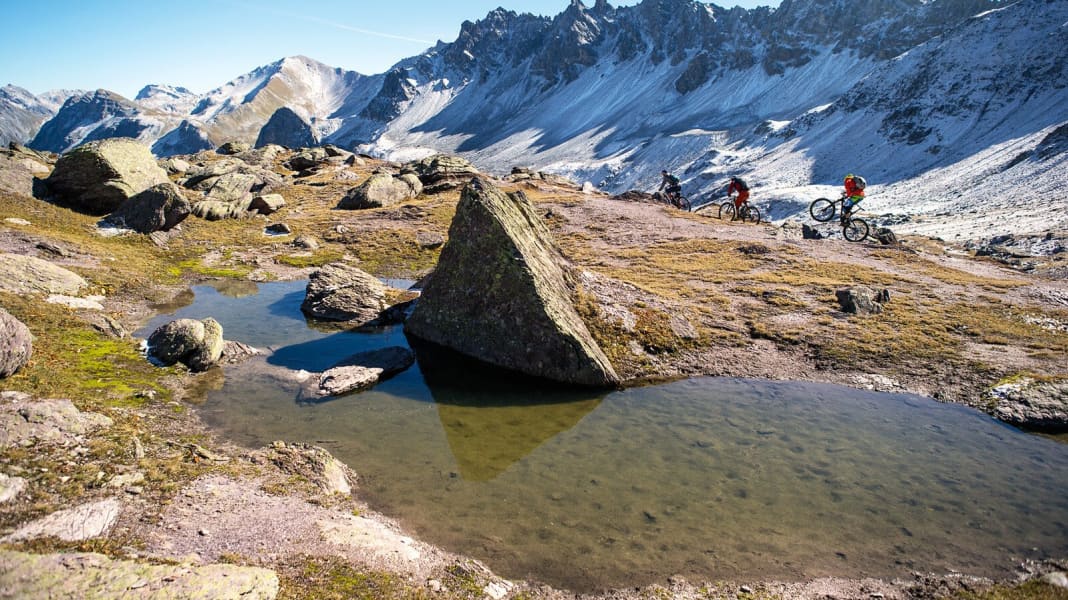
[333,24]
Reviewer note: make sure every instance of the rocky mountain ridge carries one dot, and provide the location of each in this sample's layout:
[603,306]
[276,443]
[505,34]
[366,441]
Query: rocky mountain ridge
[926,99]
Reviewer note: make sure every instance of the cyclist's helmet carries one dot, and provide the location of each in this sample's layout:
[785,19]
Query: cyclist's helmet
[664,172]
[850,176]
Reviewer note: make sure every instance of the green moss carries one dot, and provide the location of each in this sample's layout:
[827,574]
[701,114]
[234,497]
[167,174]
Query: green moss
[331,579]
[1032,590]
[72,360]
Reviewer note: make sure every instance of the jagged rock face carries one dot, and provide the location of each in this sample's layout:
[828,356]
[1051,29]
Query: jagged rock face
[99,176]
[16,344]
[186,138]
[21,114]
[386,105]
[94,109]
[502,293]
[286,128]
[159,208]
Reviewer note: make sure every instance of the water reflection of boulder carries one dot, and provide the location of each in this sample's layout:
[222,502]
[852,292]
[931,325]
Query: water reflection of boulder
[493,417]
[235,288]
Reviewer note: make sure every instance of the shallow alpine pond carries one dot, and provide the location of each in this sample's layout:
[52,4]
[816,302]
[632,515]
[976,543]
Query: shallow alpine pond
[709,478]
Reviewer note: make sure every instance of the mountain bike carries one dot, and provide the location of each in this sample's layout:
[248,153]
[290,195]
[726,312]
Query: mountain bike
[747,212]
[673,198]
[854,229]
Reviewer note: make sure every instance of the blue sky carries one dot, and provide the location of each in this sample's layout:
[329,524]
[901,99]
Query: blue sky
[122,45]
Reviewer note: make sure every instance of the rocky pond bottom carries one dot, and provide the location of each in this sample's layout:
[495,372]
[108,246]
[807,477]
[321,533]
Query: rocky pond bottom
[708,478]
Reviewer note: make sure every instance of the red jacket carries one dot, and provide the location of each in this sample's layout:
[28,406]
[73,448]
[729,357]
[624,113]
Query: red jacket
[852,189]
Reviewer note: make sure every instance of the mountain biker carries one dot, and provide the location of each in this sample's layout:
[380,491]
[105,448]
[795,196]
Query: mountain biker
[739,186]
[669,184]
[854,193]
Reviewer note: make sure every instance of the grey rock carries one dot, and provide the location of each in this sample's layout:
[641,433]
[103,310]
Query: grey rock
[278,229]
[83,522]
[18,170]
[20,274]
[215,210]
[236,352]
[16,344]
[809,232]
[175,165]
[314,463]
[307,159]
[885,236]
[81,575]
[25,421]
[1057,579]
[196,344]
[230,148]
[99,176]
[342,292]
[267,204]
[441,172]
[381,189]
[233,188]
[307,242]
[862,300]
[1031,404]
[159,208]
[429,240]
[502,293]
[10,487]
[363,370]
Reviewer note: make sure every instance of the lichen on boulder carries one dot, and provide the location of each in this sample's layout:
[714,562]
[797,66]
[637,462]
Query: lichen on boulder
[196,344]
[99,176]
[502,293]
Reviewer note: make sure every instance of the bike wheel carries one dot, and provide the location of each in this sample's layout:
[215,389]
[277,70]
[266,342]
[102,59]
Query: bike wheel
[750,213]
[855,230]
[822,209]
[727,210]
[684,204]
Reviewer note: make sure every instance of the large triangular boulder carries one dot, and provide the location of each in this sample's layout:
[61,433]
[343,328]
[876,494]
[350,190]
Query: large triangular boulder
[98,177]
[502,293]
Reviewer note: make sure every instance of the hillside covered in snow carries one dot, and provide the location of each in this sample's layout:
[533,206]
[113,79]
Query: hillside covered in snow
[956,111]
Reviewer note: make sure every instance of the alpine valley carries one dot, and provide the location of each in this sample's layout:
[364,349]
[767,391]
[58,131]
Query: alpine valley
[954,110]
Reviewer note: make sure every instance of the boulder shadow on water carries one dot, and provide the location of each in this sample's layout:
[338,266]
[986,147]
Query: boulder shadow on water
[493,417]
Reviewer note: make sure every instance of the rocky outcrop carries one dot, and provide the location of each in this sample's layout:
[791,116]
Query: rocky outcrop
[20,274]
[361,371]
[234,148]
[267,204]
[196,344]
[83,522]
[25,421]
[308,158]
[1032,404]
[16,344]
[861,300]
[286,128]
[18,168]
[342,292]
[443,172]
[99,176]
[159,208]
[382,189]
[314,463]
[80,575]
[502,293]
